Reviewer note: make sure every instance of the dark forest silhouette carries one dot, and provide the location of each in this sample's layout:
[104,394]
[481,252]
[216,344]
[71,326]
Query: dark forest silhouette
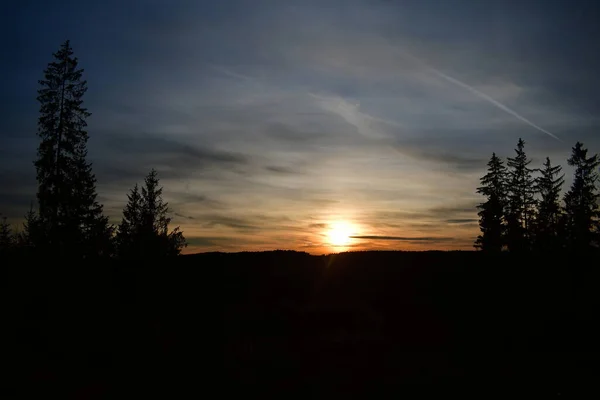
[133,313]
[285,322]
[69,222]
[523,213]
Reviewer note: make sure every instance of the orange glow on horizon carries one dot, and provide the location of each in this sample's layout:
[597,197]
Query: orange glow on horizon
[336,233]
[339,235]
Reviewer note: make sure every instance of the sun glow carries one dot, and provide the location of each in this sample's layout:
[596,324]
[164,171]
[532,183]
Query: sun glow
[340,234]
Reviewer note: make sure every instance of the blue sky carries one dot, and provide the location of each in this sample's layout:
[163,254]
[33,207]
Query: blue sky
[269,122]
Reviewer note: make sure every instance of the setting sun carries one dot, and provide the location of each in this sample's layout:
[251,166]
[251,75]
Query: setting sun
[340,233]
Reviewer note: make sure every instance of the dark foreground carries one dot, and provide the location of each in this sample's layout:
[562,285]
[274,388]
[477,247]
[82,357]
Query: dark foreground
[284,322]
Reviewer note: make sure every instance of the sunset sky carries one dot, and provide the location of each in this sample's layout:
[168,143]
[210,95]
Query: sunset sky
[295,124]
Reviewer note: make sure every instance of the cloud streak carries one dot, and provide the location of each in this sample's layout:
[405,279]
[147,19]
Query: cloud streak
[263,111]
[403,238]
[481,95]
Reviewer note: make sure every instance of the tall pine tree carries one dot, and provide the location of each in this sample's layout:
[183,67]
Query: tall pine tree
[491,212]
[548,225]
[521,203]
[128,232]
[144,230]
[581,201]
[69,216]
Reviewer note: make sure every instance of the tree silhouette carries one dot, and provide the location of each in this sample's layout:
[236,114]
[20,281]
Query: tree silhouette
[6,235]
[520,205]
[581,201]
[69,216]
[128,232]
[144,230]
[31,234]
[97,234]
[548,230]
[491,214]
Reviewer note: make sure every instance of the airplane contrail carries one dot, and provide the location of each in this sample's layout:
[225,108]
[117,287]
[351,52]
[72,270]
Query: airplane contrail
[233,74]
[482,96]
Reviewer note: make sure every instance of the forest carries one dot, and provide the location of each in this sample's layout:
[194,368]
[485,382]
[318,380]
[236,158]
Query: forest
[69,222]
[92,310]
[282,322]
[523,213]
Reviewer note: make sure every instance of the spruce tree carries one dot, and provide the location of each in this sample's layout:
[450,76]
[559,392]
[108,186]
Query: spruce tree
[154,211]
[6,235]
[69,216]
[520,205]
[491,214]
[128,229]
[96,233]
[581,201]
[144,230]
[548,225]
[32,234]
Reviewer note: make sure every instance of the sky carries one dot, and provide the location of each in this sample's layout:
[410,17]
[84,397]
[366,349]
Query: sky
[296,124]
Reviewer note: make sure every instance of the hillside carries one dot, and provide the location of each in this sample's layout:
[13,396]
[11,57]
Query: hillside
[287,321]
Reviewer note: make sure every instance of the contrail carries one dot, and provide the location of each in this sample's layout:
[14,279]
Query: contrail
[232,74]
[482,96]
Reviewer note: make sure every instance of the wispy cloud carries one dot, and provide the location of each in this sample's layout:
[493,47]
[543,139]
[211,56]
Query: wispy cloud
[462,221]
[481,95]
[280,170]
[183,216]
[404,238]
[266,122]
[350,112]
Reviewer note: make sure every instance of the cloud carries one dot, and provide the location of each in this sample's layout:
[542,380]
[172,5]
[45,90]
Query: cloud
[364,123]
[247,222]
[157,145]
[130,157]
[262,110]
[404,238]
[207,241]
[467,207]
[323,201]
[239,223]
[184,216]
[436,213]
[382,133]
[456,161]
[287,132]
[483,96]
[280,170]
[462,221]
[185,199]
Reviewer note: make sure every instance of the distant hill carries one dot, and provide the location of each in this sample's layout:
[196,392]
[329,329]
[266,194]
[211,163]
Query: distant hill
[348,323]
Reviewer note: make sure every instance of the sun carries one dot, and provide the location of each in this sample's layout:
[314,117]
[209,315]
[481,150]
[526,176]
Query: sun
[340,234]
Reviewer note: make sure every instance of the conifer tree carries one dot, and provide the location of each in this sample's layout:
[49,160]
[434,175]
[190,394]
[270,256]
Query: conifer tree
[6,235]
[96,233]
[128,230]
[581,201]
[520,205]
[144,231]
[32,234]
[69,219]
[548,226]
[491,214]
